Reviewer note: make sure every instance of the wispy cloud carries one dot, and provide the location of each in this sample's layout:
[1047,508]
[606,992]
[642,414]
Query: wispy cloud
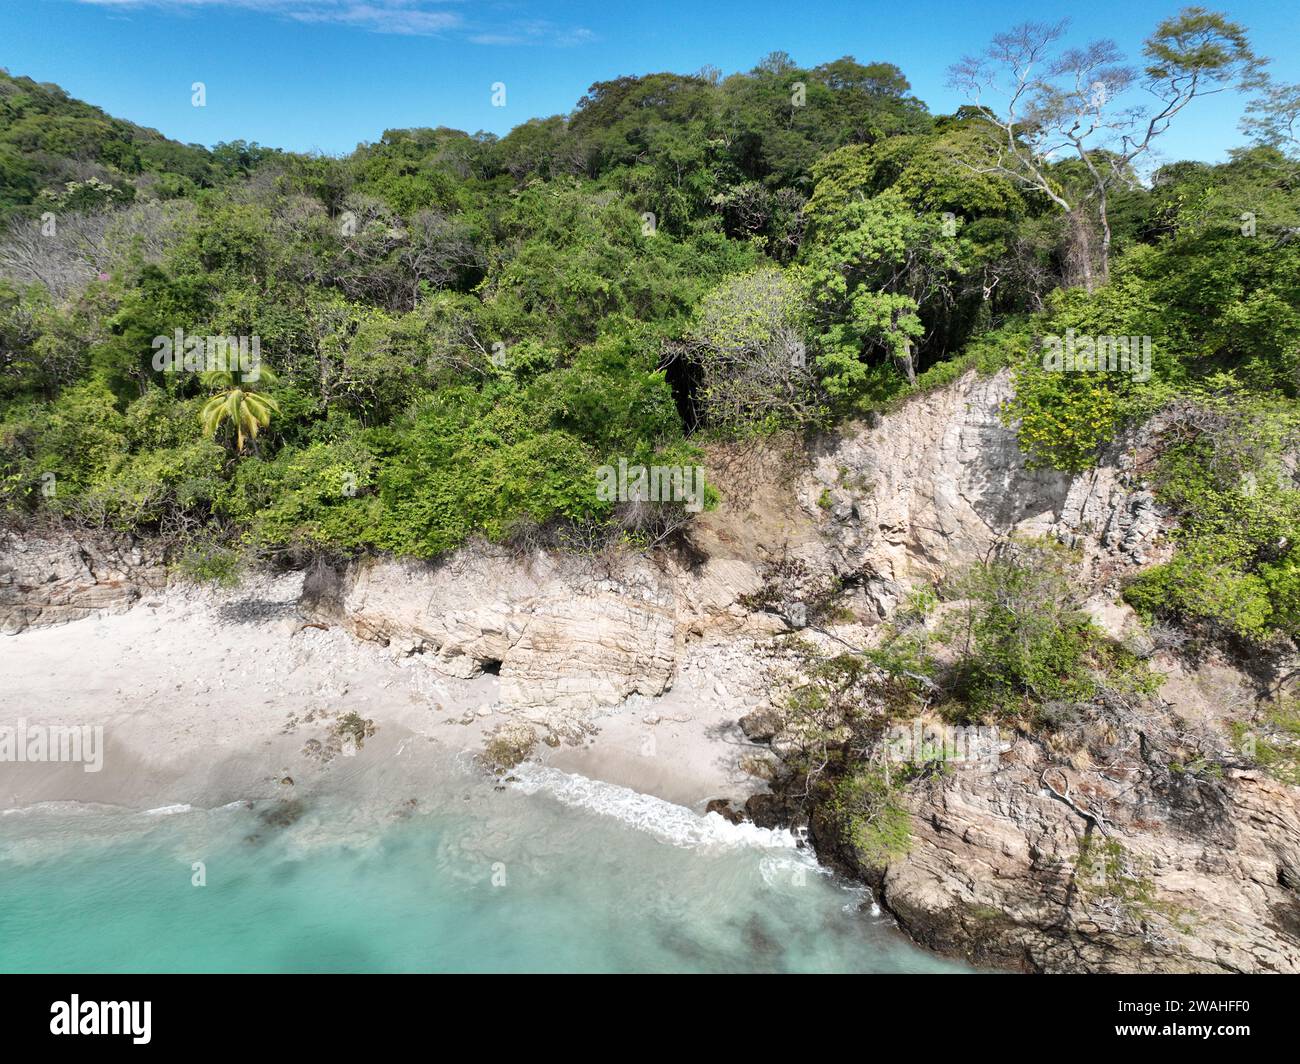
[533,31]
[422,18]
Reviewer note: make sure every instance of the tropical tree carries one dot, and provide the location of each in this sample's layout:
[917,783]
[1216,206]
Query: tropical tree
[747,339]
[247,411]
[1043,105]
[1273,120]
[868,272]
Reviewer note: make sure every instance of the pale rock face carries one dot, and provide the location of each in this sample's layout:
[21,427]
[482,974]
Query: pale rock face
[937,482]
[708,598]
[561,637]
[591,650]
[65,578]
[565,635]
[993,872]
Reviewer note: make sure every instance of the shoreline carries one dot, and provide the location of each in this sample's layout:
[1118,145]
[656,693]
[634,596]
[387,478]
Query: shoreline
[209,696]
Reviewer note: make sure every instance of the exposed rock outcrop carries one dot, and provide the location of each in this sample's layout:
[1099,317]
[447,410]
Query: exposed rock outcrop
[937,482]
[559,635]
[1186,869]
[59,577]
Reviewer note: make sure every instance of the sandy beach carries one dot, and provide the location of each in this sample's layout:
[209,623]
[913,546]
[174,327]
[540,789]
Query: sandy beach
[208,696]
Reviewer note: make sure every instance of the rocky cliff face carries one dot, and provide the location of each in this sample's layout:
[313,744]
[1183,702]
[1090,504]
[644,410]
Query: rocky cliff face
[560,636]
[61,578]
[1183,869]
[1183,858]
[932,486]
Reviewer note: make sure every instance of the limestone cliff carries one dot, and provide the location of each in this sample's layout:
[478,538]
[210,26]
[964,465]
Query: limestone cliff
[61,577]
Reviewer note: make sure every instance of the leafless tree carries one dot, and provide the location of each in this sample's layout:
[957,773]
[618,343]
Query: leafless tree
[1273,119]
[63,254]
[368,236]
[438,249]
[66,251]
[147,231]
[1044,103]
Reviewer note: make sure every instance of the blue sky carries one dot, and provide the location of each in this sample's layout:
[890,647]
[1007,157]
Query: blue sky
[326,74]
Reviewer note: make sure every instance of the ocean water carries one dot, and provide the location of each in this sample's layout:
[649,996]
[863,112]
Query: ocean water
[551,873]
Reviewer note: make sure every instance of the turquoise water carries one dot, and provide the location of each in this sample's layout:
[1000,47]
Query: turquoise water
[554,873]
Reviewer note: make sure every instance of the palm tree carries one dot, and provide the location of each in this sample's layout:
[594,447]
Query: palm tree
[248,411]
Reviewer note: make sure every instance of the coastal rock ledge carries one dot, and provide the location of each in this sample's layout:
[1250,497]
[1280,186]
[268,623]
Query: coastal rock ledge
[1191,874]
[61,577]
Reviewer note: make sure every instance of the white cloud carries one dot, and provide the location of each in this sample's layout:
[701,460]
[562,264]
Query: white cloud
[423,18]
[534,31]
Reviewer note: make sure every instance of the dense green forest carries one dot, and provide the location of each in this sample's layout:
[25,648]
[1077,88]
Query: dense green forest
[456,331]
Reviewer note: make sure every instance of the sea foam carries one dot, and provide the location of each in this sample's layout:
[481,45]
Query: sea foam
[672,823]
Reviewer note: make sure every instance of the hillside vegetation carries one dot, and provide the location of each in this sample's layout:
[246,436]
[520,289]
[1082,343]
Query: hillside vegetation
[456,331]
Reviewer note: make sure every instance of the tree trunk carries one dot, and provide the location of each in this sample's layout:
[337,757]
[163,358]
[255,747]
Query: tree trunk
[908,361]
[1079,252]
[1104,217]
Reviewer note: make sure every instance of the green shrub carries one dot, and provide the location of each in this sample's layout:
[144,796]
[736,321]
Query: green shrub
[1025,642]
[1274,743]
[868,808]
[1224,474]
[207,561]
[1202,583]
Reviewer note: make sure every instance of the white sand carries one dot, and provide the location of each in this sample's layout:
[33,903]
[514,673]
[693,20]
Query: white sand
[206,698]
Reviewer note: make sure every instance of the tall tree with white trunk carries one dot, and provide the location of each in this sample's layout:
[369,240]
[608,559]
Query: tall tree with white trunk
[1046,102]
